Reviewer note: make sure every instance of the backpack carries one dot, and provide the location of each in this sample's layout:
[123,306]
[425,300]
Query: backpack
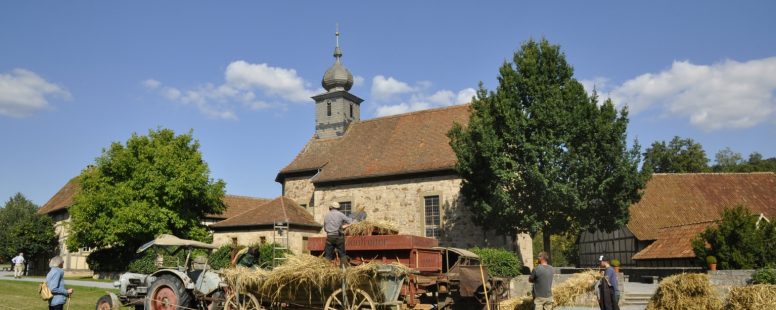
[45,292]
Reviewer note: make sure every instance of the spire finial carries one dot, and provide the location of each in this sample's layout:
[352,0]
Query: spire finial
[337,51]
[337,33]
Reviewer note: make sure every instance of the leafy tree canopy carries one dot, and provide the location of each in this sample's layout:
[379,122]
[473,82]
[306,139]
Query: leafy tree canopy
[538,152]
[24,230]
[153,184]
[679,155]
[728,160]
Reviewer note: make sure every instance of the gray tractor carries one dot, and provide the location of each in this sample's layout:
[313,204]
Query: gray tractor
[191,284]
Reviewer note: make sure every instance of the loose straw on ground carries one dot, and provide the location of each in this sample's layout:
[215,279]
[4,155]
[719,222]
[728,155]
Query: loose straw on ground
[751,297]
[691,291]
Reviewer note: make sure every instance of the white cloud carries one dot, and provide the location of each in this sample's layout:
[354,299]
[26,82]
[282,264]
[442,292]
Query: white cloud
[724,95]
[23,92]
[384,89]
[415,97]
[358,81]
[151,84]
[252,86]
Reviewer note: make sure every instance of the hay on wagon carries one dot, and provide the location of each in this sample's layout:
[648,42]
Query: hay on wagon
[685,291]
[371,227]
[301,277]
[759,296]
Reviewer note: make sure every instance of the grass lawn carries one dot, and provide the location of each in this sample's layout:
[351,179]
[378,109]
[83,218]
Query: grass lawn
[24,295]
[71,278]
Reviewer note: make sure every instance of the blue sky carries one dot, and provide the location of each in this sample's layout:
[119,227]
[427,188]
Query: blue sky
[78,75]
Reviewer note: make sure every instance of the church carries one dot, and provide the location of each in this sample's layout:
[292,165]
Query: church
[398,168]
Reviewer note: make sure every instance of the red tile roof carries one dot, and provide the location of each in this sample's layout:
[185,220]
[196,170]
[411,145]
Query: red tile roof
[673,242]
[238,204]
[63,199]
[280,209]
[677,199]
[394,145]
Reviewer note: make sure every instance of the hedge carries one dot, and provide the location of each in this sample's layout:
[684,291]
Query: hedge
[500,262]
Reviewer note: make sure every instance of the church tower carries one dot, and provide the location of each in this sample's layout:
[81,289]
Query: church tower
[336,108]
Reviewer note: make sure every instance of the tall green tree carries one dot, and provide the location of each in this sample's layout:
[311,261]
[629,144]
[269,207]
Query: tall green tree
[729,161]
[679,155]
[737,240]
[153,184]
[726,160]
[539,153]
[24,230]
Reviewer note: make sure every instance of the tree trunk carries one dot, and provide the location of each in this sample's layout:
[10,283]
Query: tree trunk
[546,240]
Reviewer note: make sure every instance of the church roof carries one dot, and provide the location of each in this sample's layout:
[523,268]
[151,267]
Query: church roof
[279,209]
[677,199]
[401,144]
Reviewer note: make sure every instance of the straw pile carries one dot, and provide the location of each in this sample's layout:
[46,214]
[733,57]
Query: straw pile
[562,294]
[685,291]
[371,227]
[580,284]
[760,296]
[245,279]
[303,276]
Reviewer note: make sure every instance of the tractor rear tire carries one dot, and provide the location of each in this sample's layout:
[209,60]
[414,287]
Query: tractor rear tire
[167,293]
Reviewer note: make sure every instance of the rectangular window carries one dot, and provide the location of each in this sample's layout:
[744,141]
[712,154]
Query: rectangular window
[431,205]
[328,109]
[345,207]
[351,111]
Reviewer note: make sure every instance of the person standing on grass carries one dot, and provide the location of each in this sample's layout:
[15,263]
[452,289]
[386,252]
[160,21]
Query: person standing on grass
[18,266]
[541,277]
[333,223]
[55,280]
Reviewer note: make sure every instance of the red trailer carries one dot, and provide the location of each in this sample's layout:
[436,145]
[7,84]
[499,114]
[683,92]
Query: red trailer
[441,277]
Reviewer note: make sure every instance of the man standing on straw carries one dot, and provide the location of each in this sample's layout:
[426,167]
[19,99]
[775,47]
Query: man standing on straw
[541,277]
[333,223]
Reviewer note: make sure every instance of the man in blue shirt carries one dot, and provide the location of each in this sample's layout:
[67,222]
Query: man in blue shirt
[609,291]
[56,283]
[333,224]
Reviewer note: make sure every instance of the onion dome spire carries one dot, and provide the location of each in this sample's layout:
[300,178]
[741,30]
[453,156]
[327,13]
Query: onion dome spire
[337,77]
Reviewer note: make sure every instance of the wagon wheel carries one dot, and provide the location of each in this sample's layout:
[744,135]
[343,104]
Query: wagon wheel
[246,301]
[357,300]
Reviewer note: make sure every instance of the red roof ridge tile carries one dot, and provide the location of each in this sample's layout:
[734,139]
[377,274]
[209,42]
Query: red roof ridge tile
[687,224]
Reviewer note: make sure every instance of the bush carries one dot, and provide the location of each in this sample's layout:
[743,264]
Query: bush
[764,276]
[146,262]
[221,258]
[110,259]
[735,240]
[500,262]
[711,260]
[615,263]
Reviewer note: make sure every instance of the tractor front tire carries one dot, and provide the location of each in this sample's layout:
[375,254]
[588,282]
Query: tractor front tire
[167,293]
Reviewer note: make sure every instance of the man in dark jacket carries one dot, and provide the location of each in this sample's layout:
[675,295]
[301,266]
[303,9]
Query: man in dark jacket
[608,288]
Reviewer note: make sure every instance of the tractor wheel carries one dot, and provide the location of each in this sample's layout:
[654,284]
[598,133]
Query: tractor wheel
[245,301]
[167,293]
[104,303]
[355,300]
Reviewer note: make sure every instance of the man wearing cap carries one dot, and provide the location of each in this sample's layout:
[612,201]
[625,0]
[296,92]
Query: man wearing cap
[333,223]
[608,288]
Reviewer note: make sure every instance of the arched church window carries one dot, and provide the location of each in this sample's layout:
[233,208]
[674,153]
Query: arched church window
[328,108]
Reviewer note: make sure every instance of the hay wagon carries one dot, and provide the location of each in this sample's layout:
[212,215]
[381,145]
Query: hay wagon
[438,278]
[386,272]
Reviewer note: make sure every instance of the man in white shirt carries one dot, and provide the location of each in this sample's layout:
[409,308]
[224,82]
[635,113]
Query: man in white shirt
[18,265]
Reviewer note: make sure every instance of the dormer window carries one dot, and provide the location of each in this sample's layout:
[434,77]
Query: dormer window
[328,108]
